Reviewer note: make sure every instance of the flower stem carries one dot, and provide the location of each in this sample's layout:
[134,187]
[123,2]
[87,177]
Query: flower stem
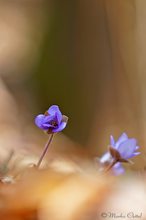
[44,151]
[110,166]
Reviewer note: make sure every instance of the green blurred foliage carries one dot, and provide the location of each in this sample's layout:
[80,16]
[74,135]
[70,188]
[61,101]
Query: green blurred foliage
[54,81]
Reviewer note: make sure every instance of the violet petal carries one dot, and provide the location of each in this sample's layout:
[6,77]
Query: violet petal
[121,139]
[112,141]
[127,148]
[39,120]
[60,127]
[118,169]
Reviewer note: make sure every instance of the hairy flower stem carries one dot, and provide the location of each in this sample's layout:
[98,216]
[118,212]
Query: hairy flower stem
[110,166]
[44,151]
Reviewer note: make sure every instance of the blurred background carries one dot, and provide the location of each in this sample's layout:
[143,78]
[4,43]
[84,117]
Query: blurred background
[88,57]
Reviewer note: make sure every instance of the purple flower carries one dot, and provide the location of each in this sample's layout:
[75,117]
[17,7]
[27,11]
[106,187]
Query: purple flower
[121,150]
[52,121]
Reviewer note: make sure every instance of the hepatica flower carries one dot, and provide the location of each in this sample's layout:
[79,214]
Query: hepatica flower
[52,120]
[120,151]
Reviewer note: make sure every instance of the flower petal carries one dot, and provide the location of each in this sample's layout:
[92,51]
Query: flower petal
[136,153]
[64,118]
[58,117]
[127,148]
[49,118]
[112,141]
[105,158]
[53,109]
[121,139]
[47,126]
[39,120]
[60,127]
[137,147]
[118,169]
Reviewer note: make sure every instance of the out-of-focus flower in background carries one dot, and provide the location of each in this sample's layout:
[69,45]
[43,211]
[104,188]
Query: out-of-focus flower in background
[127,147]
[120,151]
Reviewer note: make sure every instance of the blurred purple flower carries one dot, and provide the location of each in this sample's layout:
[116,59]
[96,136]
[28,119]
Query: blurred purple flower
[52,121]
[121,150]
[126,147]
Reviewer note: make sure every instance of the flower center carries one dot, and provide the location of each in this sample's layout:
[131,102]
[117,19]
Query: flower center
[53,123]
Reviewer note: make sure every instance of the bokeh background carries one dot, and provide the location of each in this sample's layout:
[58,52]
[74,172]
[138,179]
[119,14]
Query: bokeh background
[88,57]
